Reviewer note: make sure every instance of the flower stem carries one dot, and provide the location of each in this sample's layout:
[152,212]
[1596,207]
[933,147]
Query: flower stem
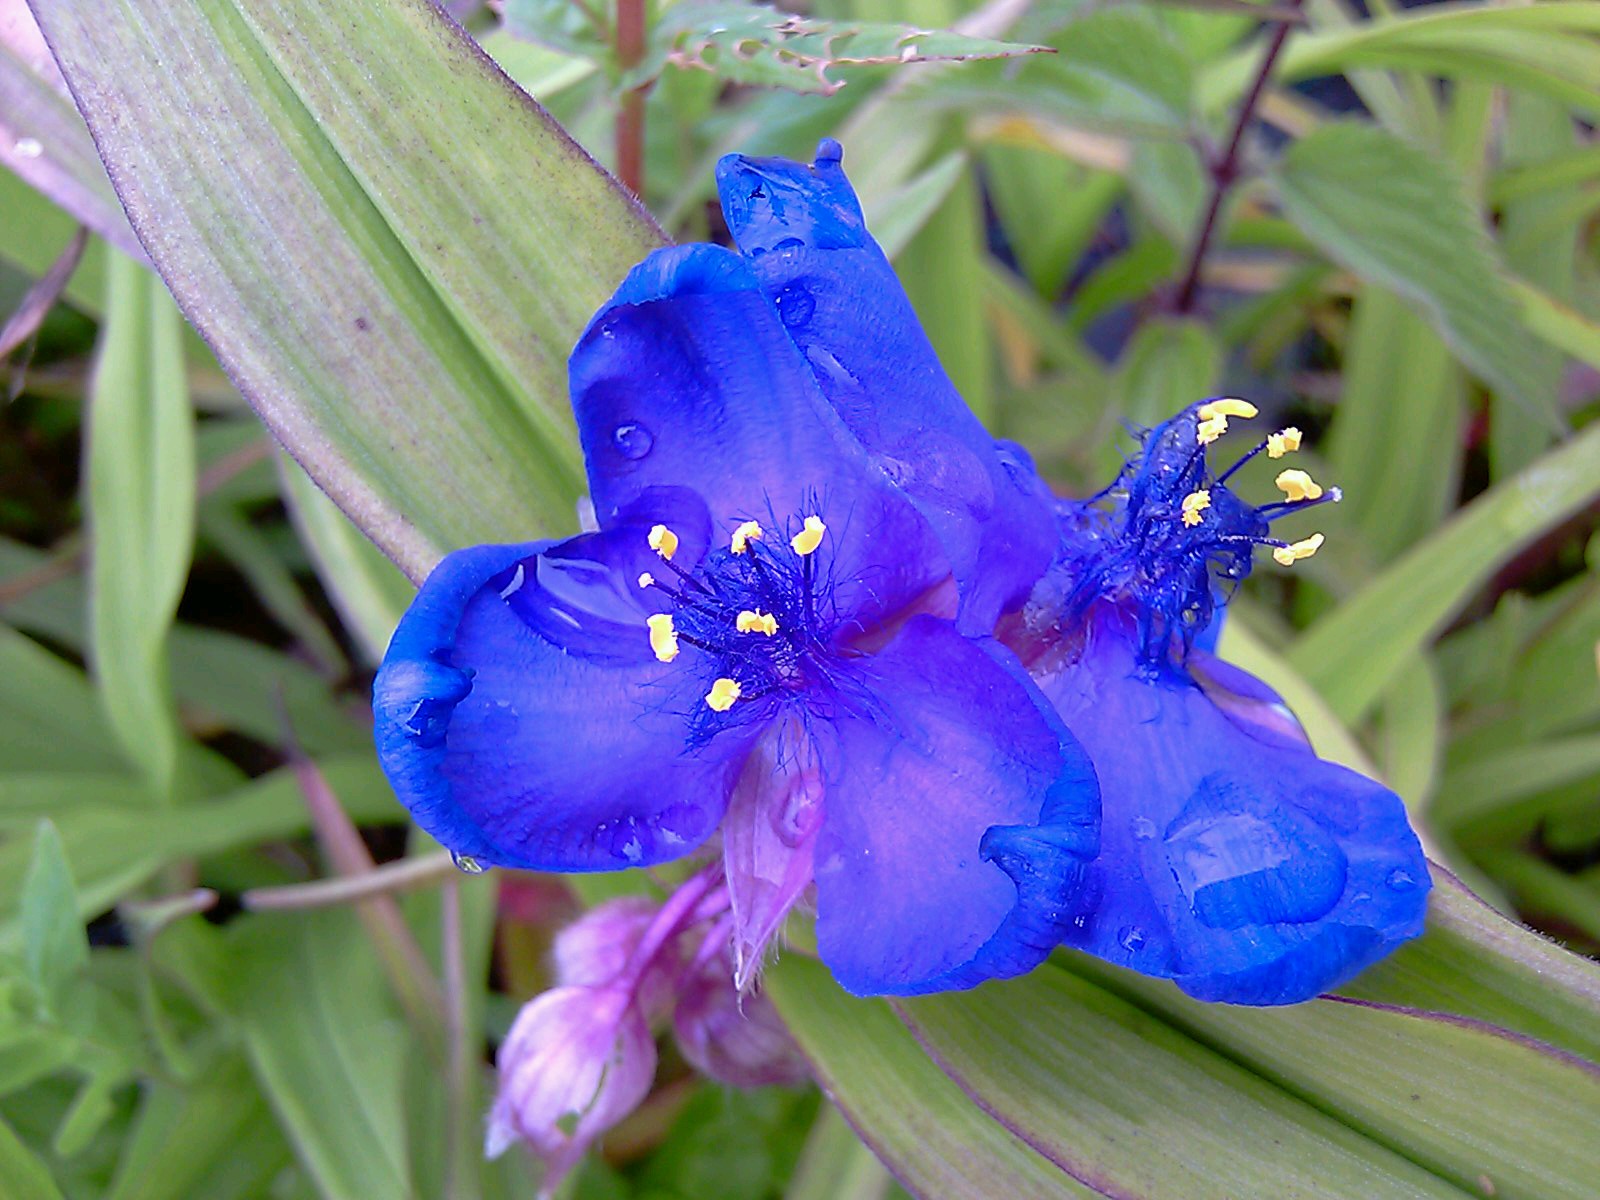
[1224,168]
[630,45]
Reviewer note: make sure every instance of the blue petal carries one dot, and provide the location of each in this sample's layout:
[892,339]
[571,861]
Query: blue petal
[802,231]
[687,379]
[946,741]
[523,720]
[1240,865]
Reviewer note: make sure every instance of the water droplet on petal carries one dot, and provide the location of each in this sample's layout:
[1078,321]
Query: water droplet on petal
[466,864]
[1130,939]
[1401,881]
[1144,828]
[429,720]
[28,148]
[632,440]
[795,304]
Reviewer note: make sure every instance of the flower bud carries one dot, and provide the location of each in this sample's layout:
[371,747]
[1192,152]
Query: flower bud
[577,1061]
[740,1043]
[594,949]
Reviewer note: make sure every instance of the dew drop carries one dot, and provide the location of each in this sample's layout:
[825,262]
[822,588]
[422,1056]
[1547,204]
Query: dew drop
[1401,881]
[28,147]
[796,304]
[632,440]
[466,864]
[429,720]
[1144,828]
[1130,939]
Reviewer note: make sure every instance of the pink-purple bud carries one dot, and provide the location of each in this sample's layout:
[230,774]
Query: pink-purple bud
[743,1043]
[577,1061]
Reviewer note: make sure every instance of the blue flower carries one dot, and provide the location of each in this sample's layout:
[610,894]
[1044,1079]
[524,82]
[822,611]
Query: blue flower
[1233,859]
[781,624]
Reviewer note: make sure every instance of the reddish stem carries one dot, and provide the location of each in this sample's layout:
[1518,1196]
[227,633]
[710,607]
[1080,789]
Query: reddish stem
[630,46]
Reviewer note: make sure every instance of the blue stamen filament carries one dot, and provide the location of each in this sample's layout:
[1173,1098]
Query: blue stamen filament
[752,609]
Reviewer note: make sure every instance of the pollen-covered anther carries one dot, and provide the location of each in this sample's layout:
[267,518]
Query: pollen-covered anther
[1287,556]
[663,541]
[663,637]
[1297,485]
[754,621]
[1194,504]
[1283,442]
[646,579]
[1227,406]
[1210,429]
[748,532]
[810,536]
[722,694]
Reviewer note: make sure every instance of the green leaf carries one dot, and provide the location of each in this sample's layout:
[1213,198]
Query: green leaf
[937,1140]
[1081,1075]
[1558,324]
[367,589]
[26,1176]
[1117,70]
[332,1062]
[1397,218]
[49,717]
[1390,352]
[754,44]
[55,948]
[1167,364]
[400,312]
[1464,1098]
[1396,613]
[560,24]
[141,494]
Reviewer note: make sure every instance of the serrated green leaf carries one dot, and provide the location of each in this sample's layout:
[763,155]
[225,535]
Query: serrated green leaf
[1397,218]
[755,44]
[401,311]
[55,948]
[26,1176]
[140,489]
[939,1143]
[1395,614]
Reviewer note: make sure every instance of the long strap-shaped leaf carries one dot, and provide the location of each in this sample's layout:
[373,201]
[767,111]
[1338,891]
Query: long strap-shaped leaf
[390,247]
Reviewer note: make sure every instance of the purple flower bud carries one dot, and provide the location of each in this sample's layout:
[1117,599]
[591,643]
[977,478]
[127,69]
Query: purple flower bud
[576,1062]
[593,951]
[736,1040]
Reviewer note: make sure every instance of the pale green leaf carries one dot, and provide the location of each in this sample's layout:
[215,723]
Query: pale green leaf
[1396,613]
[1083,1076]
[49,716]
[367,589]
[1396,217]
[141,494]
[1558,324]
[939,1143]
[55,948]
[389,247]
[26,1176]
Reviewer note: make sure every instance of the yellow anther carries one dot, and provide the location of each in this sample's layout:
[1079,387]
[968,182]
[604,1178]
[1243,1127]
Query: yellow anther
[1194,504]
[744,535]
[1227,407]
[1287,556]
[809,538]
[646,579]
[1297,485]
[1282,442]
[751,621]
[663,637]
[663,541]
[1210,430]
[722,694]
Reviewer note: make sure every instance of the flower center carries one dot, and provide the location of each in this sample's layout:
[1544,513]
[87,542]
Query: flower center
[1167,531]
[760,609]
